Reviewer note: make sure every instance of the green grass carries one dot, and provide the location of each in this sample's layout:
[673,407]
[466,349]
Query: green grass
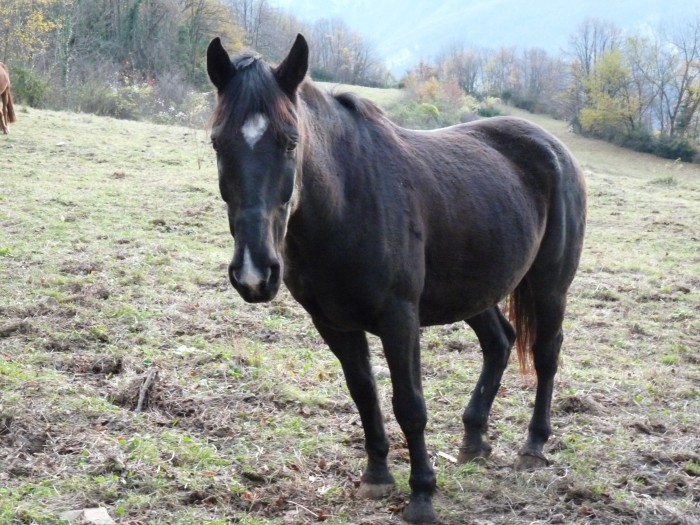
[113,249]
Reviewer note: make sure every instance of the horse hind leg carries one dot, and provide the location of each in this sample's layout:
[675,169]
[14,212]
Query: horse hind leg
[539,301]
[3,113]
[496,337]
[545,349]
[9,108]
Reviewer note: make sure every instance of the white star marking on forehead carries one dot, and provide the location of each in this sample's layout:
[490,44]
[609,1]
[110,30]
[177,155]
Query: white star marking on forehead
[254,128]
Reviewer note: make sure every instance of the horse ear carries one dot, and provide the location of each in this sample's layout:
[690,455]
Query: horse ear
[219,65]
[291,72]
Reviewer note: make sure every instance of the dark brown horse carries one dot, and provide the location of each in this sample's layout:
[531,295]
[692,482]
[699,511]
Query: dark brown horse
[7,110]
[379,229]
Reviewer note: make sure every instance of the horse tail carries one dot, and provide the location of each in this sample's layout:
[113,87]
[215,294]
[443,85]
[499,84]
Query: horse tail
[521,311]
[11,117]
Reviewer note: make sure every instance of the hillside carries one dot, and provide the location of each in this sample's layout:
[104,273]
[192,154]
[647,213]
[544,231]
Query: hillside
[114,247]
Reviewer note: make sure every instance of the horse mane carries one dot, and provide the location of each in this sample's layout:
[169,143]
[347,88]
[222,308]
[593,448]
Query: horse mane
[361,106]
[254,88]
[348,101]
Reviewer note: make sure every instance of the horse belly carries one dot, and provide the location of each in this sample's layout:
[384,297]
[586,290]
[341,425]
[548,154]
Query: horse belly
[468,275]
[444,303]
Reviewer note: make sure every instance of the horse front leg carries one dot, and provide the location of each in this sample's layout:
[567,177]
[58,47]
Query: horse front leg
[399,331]
[352,351]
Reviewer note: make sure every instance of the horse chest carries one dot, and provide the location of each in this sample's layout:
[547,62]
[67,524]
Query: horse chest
[342,296]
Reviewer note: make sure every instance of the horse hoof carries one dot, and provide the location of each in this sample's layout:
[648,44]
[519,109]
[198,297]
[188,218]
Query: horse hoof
[531,461]
[374,491]
[419,511]
[476,454]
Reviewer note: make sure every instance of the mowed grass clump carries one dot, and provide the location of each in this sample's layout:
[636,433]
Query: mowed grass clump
[133,377]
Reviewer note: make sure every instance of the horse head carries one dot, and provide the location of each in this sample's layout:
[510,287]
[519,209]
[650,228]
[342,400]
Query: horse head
[255,133]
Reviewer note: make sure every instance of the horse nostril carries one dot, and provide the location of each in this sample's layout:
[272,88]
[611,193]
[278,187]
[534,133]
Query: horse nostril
[232,273]
[274,273]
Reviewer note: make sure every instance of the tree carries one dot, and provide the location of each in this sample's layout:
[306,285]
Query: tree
[342,55]
[501,73]
[541,80]
[464,65]
[681,96]
[201,21]
[251,15]
[650,72]
[26,27]
[612,107]
[593,39]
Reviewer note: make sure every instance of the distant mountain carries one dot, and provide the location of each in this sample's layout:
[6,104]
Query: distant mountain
[404,31]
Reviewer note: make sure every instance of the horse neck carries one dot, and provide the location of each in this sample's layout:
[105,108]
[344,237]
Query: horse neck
[325,129]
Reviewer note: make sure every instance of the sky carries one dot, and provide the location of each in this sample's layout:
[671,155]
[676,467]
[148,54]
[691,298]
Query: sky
[405,31]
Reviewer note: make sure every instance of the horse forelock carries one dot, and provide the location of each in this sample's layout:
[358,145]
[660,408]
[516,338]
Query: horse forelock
[252,90]
[244,61]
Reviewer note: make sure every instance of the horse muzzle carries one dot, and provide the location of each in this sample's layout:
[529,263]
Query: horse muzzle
[254,283]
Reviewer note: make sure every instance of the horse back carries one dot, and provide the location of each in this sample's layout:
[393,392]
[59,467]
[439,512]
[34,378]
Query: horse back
[494,168]
[498,196]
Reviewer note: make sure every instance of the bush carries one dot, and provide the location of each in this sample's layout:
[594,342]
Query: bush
[661,146]
[676,148]
[415,115]
[644,142]
[28,87]
[173,100]
[638,141]
[488,111]
[526,104]
[106,101]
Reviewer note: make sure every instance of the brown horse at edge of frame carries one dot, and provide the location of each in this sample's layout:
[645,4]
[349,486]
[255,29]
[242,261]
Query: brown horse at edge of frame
[7,111]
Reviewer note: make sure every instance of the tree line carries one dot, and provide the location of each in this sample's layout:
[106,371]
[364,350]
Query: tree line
[639,91]
[145,58]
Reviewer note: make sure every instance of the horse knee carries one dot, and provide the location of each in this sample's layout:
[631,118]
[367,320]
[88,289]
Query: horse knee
[410,413]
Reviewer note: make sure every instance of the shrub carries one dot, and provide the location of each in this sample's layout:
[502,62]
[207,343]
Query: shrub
[676,148]
[638,141]
[661,146]
[526,104]
[106,101]
[28,87]
[173,100]
[414,114]
[488,111]
[643,141]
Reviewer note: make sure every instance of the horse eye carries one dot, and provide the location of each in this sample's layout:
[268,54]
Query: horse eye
[291,145]
[214,144]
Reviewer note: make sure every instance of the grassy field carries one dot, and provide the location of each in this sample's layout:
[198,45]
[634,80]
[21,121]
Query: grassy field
[113,254]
